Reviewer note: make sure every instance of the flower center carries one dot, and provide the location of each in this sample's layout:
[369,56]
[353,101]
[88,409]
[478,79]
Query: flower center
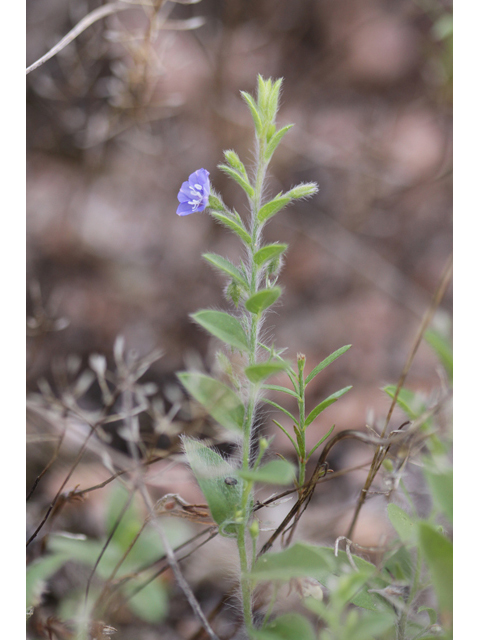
[197,196]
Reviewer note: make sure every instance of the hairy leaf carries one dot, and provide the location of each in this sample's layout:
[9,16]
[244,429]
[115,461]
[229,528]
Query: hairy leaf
[268,252]
[223,326]
[275,141]
[239,179]
[211,471]
[262,299]
[258,372]
[226,266]
[274,472]
[271,208]
[219,400]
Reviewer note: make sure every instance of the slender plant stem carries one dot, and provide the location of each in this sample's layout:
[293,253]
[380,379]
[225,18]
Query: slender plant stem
[301,416]
[255,324]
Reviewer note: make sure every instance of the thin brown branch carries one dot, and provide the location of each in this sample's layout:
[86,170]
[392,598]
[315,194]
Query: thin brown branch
[83,448]
[49,464]
[306,492]
[427,318]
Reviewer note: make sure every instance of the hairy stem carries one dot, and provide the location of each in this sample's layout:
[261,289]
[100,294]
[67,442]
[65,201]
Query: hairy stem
[254,327]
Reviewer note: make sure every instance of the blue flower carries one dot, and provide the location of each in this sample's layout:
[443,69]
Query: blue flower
[193,195]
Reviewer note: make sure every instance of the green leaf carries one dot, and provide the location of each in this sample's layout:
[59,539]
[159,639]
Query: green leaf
[276,387]
[432,614]
[295,446]
[441,486]
[235,162]
[326,403]
[272,100]
[331,358]
[271,208]
[226,266]
[254,111]
[410,402]
[403,524]
[211,471]
[86,551]
[275,141]
[299,560]
[443,349]
[400,565]
[223,326]
[274,472]
[373,624]
[38,573]
[322,440]
[287,413]
[258,372]
[149,604]
[291,626]
[239,179]
[348,587]
[262,299]
[303,190]
[219,400]
[304,560]
[268,252]
[438,553]
[233,225]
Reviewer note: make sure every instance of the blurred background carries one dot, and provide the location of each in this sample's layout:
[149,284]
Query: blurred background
[141,99]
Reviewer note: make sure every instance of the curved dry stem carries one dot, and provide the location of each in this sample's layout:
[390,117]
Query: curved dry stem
[427,318]
[87,21]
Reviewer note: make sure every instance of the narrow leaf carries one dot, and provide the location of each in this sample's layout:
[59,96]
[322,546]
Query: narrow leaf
[258,372]
[233,225]
[271,208]
[321,441]
[275,141]
[239,179]
[254,111]
[235,162]
[223,326]
[443,349]
[288,436]
[268,252]
[276,387]
[262,299]
[411,403]
[211,471]
[277,406]
[326,403]
[226,266]
[331,358]
[303,190]
[219,400]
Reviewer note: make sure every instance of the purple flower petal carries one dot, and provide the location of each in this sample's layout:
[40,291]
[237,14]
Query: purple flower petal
[193,195]
[184,209]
